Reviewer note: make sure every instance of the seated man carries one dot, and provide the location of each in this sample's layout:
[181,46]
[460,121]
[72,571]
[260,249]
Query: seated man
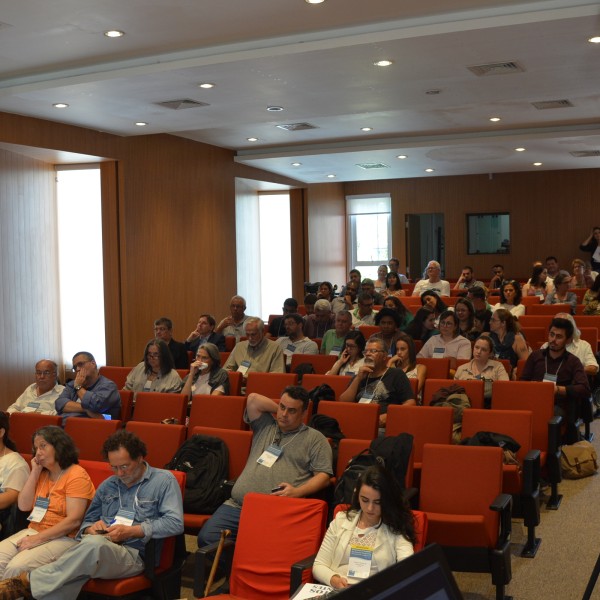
[347,300]
[90,394]
[364,314]
[295,342]
[277,325]
[163,330]
[375,382]
[40,396]
[478,298]
[323,319]
[557,365]
[353,275]
[205,334]
[394,265]
[235,324]
[287,458]
[434,281]
[367,286]
[309,303]
[333,340]
[467,280]
[257,353]
[497,277]
[136,504]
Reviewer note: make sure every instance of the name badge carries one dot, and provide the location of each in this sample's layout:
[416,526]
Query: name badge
[359,563]
[439,352]
[269,457]
[551,378]
[290,349]
[123,517]
[336,350]
[366,398]
[243,368]
[39,510]
[31,407]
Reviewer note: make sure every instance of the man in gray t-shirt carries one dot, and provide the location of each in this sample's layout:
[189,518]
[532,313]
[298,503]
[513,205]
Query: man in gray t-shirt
[287,458]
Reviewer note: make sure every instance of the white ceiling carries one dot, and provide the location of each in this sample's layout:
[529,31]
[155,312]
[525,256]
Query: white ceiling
[316,61]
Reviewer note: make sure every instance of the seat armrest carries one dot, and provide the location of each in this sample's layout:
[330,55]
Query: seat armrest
[503,504]
[202,566]
[531,473]
[297,570]
[150,559]
[554,434]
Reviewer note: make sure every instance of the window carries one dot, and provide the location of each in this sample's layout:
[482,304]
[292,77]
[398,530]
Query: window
[488,233]
[369,233]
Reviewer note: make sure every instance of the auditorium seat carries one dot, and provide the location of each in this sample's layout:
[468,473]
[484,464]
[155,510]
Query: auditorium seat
[89,435]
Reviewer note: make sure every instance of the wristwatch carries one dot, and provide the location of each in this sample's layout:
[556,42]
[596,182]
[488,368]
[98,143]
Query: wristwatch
[77,387]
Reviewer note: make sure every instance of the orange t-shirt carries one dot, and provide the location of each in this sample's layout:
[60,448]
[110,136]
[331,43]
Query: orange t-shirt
[73,483]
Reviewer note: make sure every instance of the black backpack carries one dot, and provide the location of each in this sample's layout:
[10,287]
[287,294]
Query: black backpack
[205,461]
[321,392]
[342,494]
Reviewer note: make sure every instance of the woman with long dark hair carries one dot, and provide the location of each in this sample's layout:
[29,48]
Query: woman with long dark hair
[591,299]
[422,327]
[156,373]
[396,304]
[432,299]
[405,358]
[351,359]
[510,298]
[538,285]
[509,343]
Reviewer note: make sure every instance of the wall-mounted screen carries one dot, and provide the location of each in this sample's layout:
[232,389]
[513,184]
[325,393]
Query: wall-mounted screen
[488,233]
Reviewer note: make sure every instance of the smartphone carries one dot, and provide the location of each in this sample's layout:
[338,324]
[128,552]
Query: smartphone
[101,531]
[277,489]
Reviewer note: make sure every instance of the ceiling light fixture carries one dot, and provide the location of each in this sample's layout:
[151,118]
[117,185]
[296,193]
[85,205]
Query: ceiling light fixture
[114,33]
[141,123]
[61,105]
[595,39]
[314,1]
[252,139]
[274,108]
[433,92]
[331,176]
[519,149]
[206,85]
[366,129]
[402,156]
[494,119]
[296,164]
[429,170]
[537,164]
[383,63]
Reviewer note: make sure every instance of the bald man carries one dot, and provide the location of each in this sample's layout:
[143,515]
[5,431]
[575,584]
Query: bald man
[40,396]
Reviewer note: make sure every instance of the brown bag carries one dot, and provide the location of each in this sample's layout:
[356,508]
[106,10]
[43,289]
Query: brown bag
[578,460]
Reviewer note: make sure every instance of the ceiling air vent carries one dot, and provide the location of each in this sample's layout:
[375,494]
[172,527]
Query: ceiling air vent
[372,165]
[297,126]
[585,153]
[552,104]
[181,104]
[499,68]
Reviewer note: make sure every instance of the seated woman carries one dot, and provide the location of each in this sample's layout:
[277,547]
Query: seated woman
[510,298]
[561,293]
[395,304]
[508,342]
[591,299]
[405,358]
[388,321]
[381,281]
[482,367]
[538,285]
[431,299]
[14,472]
[351,359]
[466,318]
[325,291]
[481,321]
[156,373]
[422,327]
[378,520]
[206,376]
[449,343]
[57,492]
[582,278]
[393,287]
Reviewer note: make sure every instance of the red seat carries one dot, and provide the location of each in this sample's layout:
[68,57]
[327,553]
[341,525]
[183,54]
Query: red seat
[338,383]
[548,309]
[321,363]
[23,426]
[358,421]
[89,435]
[126,404]
[162,441]
[437,368]
[226,412]
[235,383]
[269,384]
[369,330]
[154,407]
[474,388]
[229,343]
[116,374]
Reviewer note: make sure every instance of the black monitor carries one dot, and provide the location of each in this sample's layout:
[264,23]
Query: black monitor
[422,576]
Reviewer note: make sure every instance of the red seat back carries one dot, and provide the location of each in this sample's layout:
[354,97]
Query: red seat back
[473,387]
[23,426]
[270,385]
[153,407]
[162,441]
[226,412]
[358,421]
[89,435]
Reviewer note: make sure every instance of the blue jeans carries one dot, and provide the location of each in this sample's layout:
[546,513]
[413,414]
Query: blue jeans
[225,517]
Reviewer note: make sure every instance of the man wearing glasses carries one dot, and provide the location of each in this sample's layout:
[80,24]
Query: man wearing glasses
[375,382]
[90,394]
[433,280]
[235,324]
[40,396]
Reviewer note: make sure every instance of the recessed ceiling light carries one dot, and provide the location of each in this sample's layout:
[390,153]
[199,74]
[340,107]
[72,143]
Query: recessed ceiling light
[366,129]
[314,1]
[206,85]
[519,149]
[383,63]
[429,170]
[331,176]
[537,164]
[433,92]
[252,139]
[494,119]
[114,33]
[296,164]
[402,156]
[595,39]
[274,108]
[60,105]
[141,124]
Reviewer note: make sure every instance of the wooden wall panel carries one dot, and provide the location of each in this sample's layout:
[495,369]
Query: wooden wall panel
[29,303]
[299,238]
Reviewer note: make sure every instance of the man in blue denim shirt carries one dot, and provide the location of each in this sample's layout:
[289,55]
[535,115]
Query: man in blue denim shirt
[136,504]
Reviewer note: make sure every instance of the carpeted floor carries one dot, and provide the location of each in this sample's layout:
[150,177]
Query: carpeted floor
[560,571]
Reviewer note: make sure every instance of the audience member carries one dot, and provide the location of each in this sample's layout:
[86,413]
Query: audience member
[509,343]
[351,359]
[163,330]
[235,324]
[465,313]
[287,458]
[510,298]
[405,358]
[321,321]
[561,293]
[206,375]
[377,383]
[40,396]
[478,297]
[295,342]
[591,299]
[155,373]
[449,343]
[347,301]
[257,353]
[353,275]
[333,340]
[481,321]
[136,504]
[580,278]
[393,287]
[205,334]
[539,284]
[388,321]
[591,244]
[433,300]
[309,304]
[368,287]
[380,284]
[90,394]
[325,291]
[277,325]
[422,327]
[396,304]
[467,280]
[379,520]
[552,267]
[433,281]
[394,265]
[497,277]
[364,314]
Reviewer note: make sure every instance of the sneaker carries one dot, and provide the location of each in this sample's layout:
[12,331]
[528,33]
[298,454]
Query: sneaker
[15,587]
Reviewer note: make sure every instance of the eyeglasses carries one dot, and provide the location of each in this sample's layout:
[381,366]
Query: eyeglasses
[78,365]
[121,467]
[446,323]
[44,373]
[370,351]
[153,355]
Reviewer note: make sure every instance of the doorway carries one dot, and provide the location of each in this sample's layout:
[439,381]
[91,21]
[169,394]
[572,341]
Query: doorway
[424,242]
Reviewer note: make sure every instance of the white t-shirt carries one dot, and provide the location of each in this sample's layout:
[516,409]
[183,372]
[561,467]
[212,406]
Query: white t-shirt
[14,472]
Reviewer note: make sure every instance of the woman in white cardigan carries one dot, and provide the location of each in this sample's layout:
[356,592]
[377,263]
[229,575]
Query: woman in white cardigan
[376,532]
